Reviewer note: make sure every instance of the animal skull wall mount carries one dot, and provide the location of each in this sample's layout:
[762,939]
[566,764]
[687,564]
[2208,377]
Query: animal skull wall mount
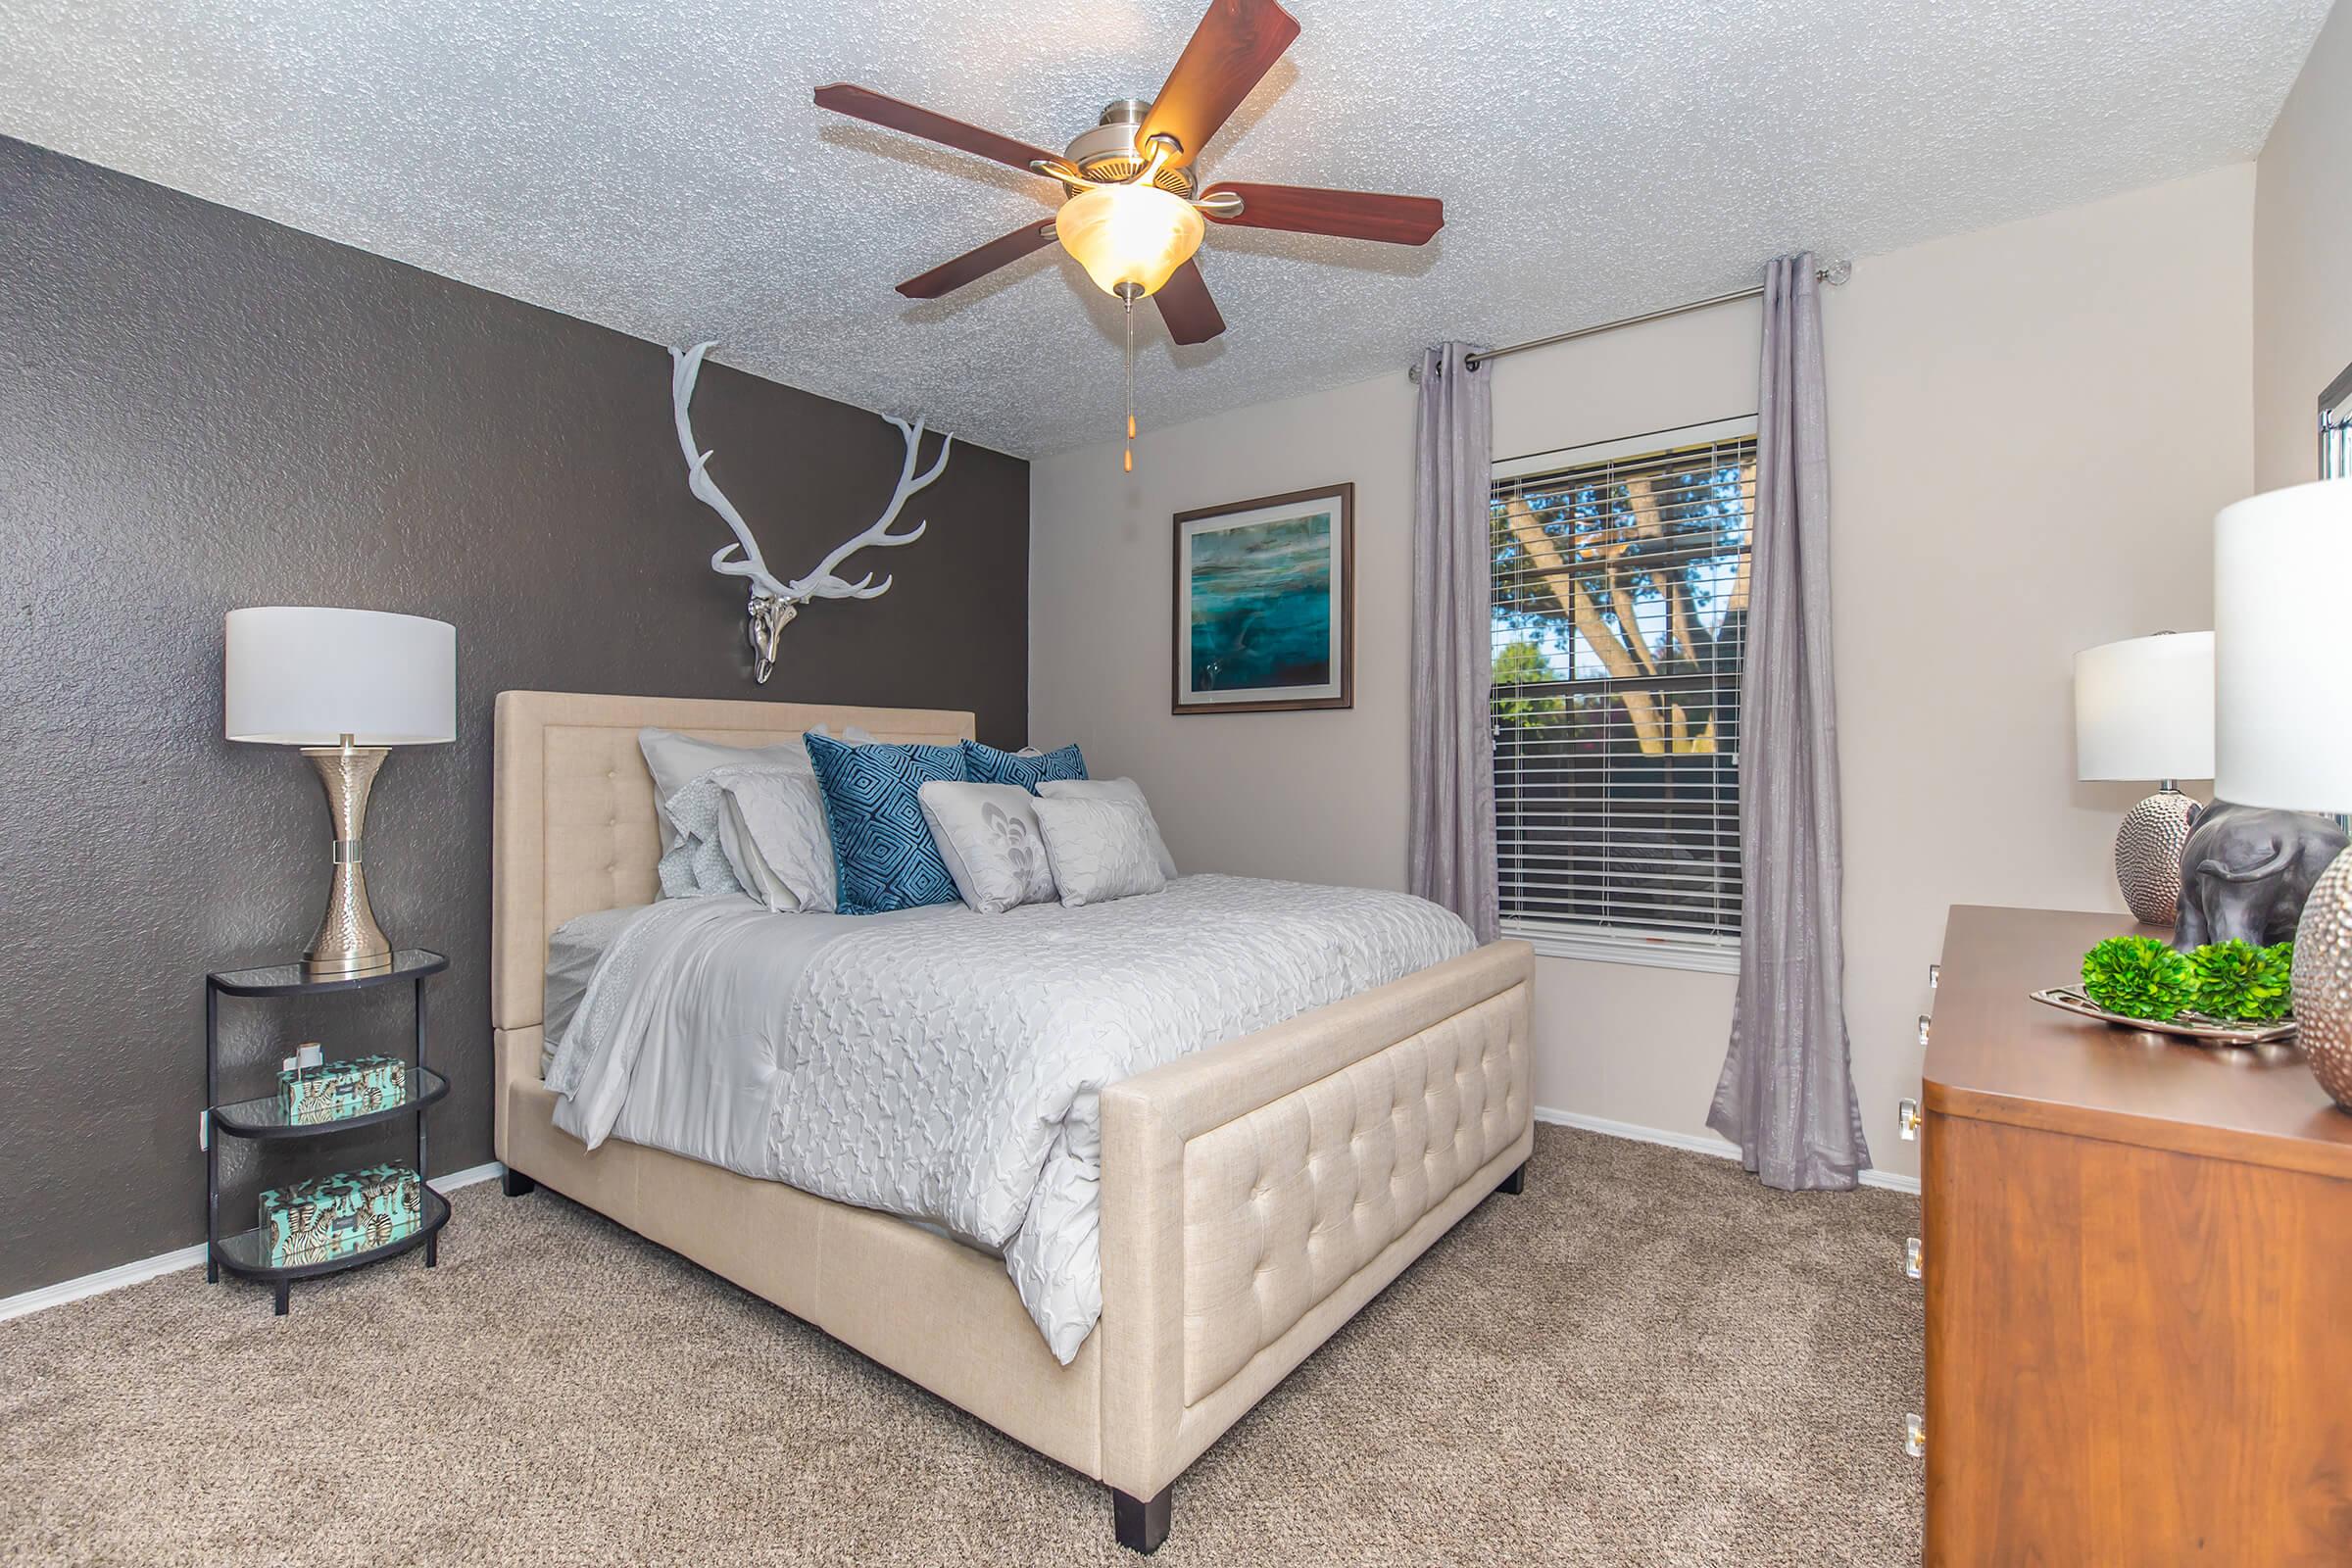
[774,602]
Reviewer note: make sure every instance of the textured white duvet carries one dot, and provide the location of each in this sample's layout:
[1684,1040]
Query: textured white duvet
[945,1065]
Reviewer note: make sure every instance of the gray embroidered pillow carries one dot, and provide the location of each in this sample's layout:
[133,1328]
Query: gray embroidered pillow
[771,823]
[987,833]
[1114,789]
[1101,849]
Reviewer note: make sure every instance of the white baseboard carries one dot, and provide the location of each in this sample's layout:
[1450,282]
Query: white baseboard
[147,1268]
[1697,1143]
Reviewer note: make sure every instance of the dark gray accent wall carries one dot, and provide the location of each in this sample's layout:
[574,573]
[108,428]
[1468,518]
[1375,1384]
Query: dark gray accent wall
[201,409]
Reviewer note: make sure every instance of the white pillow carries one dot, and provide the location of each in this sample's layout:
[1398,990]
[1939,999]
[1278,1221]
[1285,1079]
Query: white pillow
[771,827]
[677,761]
[1113,789]
[1101,849]
[987,833]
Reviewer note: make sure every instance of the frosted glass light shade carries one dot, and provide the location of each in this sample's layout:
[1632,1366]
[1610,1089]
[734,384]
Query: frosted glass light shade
[302,677]
[1136,234]
[2143,707]
[2283,649]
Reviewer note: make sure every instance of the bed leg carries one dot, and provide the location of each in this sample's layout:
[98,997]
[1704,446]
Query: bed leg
[517,1184]
[1515,1183]
[1142,1524]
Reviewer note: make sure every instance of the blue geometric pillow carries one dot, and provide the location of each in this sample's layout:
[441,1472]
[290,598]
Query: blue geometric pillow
[881,844]
[985,765]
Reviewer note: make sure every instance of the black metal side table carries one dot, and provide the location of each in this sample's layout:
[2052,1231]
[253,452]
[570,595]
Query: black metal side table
[264,1119]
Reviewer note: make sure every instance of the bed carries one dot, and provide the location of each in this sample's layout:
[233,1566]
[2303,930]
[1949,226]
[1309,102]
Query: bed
[1252,1195]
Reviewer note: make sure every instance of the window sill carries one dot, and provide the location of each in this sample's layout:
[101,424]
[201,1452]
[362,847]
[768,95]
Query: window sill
[1699,955]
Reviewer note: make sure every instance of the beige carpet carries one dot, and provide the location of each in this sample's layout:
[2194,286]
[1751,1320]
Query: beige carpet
[1645,1359]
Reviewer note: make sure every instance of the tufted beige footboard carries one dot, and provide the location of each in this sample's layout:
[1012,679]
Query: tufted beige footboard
[1256,1195]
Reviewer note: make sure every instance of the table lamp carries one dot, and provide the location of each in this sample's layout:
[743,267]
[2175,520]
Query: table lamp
[2143,710]
[345,685]
[2282,689]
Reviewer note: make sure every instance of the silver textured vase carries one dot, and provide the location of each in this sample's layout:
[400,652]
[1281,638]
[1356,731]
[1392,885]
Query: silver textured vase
[2148,855]
[2323,980]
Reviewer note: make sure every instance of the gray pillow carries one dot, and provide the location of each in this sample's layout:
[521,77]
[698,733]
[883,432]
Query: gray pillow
[987,833]
[1114,789]
[1101,849]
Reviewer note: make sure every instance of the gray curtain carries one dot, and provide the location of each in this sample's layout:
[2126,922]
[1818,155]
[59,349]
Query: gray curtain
[1787,1094]
[1449,842]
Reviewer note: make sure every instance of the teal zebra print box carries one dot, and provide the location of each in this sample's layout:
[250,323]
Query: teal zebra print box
[327,1217]
[328,1091]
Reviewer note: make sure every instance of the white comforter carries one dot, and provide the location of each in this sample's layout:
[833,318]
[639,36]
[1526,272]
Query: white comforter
[945,1065]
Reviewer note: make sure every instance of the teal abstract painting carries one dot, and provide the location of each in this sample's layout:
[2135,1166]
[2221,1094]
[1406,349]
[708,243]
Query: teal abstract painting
[1263,597]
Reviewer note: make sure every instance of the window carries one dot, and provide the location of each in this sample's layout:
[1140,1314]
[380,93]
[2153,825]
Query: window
[1620,615]
[2335,428]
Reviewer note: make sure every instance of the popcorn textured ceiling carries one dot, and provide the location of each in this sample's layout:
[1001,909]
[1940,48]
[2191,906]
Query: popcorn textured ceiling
[657,165]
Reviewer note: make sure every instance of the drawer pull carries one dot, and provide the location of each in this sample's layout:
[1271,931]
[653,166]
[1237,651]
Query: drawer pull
[1906,1113]
[1913,1253]
[1935,975]
[1923,1022]
[1915,1436]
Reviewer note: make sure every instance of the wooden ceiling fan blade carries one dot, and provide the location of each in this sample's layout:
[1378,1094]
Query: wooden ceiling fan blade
[1236,44]
[974,265]
[864,103]
[1185,305]
[1347,213]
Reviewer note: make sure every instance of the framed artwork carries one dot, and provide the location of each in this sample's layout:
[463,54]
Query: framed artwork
[1265,605]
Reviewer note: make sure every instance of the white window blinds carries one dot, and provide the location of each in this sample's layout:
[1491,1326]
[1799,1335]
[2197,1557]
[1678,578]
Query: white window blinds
[1620,612]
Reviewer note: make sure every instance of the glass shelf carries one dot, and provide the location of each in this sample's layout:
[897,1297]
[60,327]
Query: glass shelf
[247,1252]
[266,1116]
[294,979]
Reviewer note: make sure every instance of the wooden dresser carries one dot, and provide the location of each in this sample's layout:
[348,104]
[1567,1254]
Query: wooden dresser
[2139,1272]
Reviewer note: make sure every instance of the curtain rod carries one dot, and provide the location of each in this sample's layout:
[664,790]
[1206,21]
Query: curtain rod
[1834,275]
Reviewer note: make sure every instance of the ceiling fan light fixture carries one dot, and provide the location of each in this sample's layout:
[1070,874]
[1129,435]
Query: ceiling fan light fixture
[1129,239]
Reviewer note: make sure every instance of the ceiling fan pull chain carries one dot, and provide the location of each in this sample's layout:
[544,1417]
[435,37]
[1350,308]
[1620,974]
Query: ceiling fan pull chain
[1127,457]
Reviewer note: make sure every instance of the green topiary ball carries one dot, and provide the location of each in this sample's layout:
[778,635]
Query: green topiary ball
[2241,982]
[2139,977]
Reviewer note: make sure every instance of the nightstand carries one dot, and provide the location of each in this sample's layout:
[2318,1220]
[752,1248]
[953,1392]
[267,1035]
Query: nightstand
[264,1119]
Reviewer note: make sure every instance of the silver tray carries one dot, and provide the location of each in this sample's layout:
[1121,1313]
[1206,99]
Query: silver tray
[2188,1025]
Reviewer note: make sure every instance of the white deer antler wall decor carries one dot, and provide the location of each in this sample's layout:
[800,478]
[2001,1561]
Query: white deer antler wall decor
[774,602]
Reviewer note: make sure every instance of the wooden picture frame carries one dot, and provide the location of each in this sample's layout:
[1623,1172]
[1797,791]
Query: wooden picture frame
[1280,576]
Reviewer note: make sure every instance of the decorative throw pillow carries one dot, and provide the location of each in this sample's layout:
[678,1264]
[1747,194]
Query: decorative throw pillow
[677,761]
[988,835]
[772,824]
[1115,789]
[882,847]
[1101,850]
[696,865]
[985,765]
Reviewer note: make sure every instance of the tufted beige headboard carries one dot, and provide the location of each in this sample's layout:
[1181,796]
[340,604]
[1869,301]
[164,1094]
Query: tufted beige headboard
[572,825]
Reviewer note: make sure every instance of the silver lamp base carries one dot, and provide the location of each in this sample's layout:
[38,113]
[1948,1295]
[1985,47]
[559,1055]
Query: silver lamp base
[349,941]
[2148,855]
[2323,980]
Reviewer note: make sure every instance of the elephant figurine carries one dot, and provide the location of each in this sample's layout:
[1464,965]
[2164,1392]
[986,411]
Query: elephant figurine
[2246,871]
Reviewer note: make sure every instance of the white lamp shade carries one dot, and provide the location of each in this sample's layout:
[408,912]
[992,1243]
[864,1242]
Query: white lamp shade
[2143,707]
[2282,646]
[299,676]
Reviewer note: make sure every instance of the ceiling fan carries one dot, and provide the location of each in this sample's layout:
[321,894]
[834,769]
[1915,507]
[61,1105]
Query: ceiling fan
[1132,206]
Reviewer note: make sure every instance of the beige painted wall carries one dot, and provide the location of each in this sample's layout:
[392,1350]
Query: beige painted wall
[2303,259]
[2031,430]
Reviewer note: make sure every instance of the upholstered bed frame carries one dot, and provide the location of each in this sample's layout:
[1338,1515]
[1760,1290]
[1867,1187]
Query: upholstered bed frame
[1254,1194]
